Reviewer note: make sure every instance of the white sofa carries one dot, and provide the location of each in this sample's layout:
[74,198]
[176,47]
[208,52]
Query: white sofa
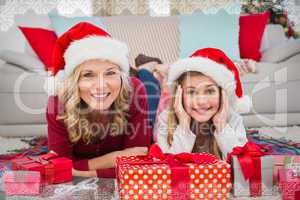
[274,88]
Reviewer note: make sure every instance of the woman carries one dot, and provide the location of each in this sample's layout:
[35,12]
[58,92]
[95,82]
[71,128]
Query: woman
[99,113]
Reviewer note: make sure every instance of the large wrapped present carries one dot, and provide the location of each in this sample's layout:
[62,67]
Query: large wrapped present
[53,169]
[252,171]
[173,176]
[289,184]
[21,182]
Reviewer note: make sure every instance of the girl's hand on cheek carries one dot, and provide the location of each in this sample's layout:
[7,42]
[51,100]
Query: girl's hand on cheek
[183,117]
[220,118]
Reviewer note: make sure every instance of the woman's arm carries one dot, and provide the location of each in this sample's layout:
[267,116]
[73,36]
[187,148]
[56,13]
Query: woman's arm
[58,141]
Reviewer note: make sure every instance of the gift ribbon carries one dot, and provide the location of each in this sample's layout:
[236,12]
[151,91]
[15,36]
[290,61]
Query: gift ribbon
[250,162]
[180,178]
[43,160]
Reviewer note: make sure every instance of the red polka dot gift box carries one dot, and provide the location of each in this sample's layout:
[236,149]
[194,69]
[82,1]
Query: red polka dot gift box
[173,176]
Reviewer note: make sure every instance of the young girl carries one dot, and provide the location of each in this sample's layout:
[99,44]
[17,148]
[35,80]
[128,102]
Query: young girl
[98,112]
[202,115]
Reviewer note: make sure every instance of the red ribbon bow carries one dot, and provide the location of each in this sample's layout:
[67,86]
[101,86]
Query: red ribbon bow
[155,152]
[246,156]
[249,159]
[43,159]
[180,177]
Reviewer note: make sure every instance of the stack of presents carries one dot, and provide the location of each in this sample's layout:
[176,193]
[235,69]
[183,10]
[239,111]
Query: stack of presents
[250,171]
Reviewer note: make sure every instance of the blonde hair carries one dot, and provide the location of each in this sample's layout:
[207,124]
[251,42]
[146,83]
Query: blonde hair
[77,122]
[173,120]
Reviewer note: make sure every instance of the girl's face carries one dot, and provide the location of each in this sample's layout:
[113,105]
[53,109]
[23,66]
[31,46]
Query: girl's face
[201,97]
[99,83]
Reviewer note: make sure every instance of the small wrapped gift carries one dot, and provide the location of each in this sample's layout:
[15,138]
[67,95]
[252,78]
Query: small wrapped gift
[21,182]
[172,176]
[53,169]
[289,184]
[279,163]
[252,171]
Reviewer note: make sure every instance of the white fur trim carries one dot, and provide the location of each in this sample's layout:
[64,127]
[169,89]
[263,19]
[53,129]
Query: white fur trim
[219,73]
[94,47]
[243,104]
[53,83]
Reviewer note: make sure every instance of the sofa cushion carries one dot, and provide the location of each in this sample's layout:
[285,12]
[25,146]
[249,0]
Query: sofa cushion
[282,51]
[251,31]
[274,97]
[152,36]
[273,36]
[23,108]
[42,41]
[273,72]
[23,130]
[220,30]
[23,60]
[16,80]
[271,120]
[274,88]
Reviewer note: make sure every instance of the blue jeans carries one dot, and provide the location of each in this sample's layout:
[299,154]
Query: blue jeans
[153,92]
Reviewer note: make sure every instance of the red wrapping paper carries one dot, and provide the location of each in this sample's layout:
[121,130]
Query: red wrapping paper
[21,183]
[289,185]
[53,169]
[167,176]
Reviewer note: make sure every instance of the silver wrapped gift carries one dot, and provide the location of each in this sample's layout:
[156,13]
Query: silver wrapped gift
[241,187]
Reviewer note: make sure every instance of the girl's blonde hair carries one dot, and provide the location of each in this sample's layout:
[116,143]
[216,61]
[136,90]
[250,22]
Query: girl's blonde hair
[173,120]
[75,114]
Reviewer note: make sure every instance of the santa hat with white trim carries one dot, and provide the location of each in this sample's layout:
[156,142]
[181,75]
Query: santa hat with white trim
[214,63]
[83,42]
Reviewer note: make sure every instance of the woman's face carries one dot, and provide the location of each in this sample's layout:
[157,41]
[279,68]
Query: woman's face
[201,97]
[99,83]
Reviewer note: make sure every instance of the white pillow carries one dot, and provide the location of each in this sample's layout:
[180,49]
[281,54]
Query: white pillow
[22,60]
[281,52]
[273,36]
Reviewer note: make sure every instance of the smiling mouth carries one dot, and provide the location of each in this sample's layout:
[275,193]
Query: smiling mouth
[100,97]
[201,110]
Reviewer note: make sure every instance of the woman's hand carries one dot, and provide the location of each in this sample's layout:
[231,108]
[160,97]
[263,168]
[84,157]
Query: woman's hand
[220,118]
[183,118]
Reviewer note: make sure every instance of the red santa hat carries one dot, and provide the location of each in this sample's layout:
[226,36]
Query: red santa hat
[82,42]
[215,64]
